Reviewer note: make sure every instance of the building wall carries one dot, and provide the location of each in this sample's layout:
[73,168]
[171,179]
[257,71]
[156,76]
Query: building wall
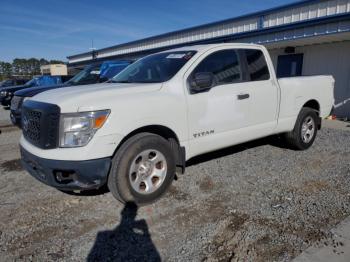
[311,11]
[45,70]
[54,70]
[331,59]
[59,70]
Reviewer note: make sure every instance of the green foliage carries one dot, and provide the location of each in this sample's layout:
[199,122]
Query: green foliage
[5,69]
[56,62]
[24,67]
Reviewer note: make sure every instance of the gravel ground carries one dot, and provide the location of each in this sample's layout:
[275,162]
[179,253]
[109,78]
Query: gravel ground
[4,117]
[254,202]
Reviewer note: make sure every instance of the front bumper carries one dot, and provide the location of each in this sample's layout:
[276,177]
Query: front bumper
[16,118]
[16,110]
[67,175]
[2,99]
[5,101]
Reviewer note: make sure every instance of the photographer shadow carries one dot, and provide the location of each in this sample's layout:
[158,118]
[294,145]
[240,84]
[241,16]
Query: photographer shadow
[129,241]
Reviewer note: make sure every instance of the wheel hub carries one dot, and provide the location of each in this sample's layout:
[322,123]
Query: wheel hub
[308,129]
[146,168]
[148,171]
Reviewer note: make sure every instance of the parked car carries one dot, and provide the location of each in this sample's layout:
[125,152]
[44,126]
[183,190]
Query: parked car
[136,131]
[13,82]
[90,75]
[6,93]
[66,78]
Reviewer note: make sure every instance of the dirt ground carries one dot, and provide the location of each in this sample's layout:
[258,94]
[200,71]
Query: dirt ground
[254,202]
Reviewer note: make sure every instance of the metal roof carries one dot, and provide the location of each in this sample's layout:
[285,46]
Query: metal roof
[261,27]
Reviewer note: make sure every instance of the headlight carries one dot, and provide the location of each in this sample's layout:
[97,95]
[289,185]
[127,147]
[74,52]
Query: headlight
[3,93]
[76,130]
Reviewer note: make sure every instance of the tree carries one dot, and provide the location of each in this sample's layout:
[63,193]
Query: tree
[24,67]
[5,70]
[56,62]
[43,61]
[33,66]
[17,66]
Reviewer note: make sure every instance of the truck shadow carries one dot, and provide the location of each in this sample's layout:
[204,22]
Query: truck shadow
[271,140]
[93,192]
[129,241]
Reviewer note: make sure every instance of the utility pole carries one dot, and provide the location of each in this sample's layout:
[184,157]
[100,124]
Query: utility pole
[93,50]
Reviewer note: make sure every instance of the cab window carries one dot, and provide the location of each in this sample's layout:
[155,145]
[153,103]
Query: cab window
[224,65]
[256,65]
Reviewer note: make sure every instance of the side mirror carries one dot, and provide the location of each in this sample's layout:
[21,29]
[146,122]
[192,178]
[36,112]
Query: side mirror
[201,82]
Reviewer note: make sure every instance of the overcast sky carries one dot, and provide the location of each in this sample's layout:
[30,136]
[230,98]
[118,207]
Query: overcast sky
[55,29]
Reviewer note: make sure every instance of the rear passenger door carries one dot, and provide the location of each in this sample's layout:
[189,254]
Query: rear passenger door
[261,89]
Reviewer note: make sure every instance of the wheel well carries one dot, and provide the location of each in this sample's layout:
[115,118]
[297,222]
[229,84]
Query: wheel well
[314,105]
[162,131]
[168,134]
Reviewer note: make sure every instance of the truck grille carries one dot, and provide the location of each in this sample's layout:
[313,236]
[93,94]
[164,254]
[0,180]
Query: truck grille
[31,125]
[40,124]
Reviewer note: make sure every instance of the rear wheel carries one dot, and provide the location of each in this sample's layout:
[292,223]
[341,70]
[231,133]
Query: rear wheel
[142,169]
[305,130]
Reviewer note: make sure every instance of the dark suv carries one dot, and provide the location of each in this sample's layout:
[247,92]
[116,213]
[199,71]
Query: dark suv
[91,74]
[13,82]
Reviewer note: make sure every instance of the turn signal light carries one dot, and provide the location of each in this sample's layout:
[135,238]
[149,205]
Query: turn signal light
[100,120]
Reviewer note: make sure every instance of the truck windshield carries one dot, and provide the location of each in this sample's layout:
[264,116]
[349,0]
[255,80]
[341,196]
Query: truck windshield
[91,74]
[5,83]
[155,68]
[31,82]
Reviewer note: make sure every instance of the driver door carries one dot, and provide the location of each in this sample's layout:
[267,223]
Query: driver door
[214,114]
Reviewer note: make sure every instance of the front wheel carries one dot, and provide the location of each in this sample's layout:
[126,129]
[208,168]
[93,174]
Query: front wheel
[142,169]
[305,130]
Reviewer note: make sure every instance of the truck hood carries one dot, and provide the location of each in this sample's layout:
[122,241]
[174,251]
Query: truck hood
[12,89]
[32,91]
[93,97]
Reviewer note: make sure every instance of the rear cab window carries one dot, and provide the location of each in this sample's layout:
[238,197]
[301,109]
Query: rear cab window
[257,68]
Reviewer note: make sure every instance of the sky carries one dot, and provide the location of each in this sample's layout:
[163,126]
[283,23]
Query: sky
[55,29]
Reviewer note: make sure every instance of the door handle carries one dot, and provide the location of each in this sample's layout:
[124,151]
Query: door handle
[242,96]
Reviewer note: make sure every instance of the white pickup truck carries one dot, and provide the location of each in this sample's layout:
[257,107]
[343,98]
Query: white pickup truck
[136,131]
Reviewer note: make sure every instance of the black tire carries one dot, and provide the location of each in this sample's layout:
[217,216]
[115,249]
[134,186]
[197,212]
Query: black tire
[118,181]
[294,138]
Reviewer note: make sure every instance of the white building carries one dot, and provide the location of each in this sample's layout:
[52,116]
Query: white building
[304,38]
[54,70]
